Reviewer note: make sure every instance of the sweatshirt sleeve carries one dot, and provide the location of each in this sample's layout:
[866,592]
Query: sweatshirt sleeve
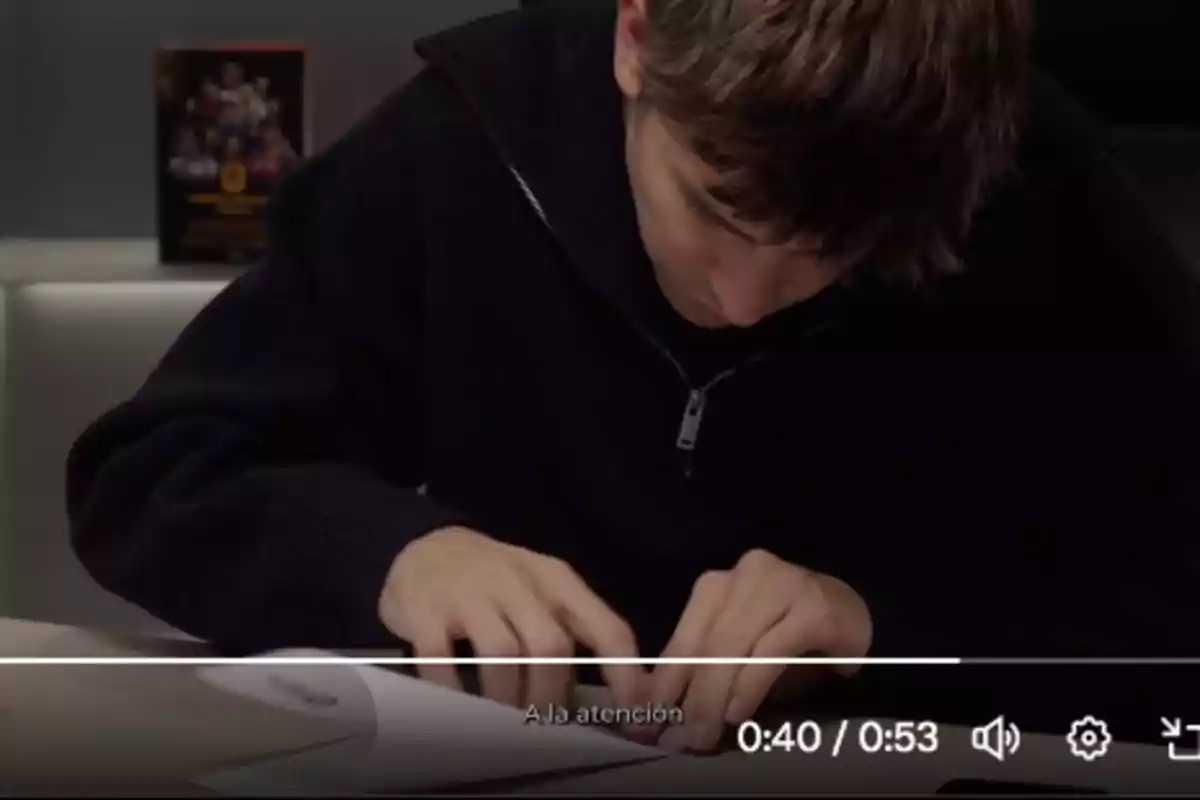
[257,488]
[1107,564]
[1115,527]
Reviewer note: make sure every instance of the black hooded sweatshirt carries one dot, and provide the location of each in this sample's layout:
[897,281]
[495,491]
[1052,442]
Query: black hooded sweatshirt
[456,324]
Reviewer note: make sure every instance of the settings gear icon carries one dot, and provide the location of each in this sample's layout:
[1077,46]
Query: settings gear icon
[1089,738]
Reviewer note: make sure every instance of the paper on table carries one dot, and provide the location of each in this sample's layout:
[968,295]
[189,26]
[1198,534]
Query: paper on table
[424,736]
[120,728]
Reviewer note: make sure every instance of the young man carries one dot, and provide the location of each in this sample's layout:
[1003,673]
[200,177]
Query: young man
[705,329]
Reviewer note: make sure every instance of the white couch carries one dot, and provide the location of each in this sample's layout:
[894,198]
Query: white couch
[84,323]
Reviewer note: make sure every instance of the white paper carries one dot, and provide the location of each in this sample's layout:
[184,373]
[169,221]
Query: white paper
[121,728]
[338,693]
[415,735]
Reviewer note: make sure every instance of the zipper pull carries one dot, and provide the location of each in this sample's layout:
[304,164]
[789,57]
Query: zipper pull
[693,415]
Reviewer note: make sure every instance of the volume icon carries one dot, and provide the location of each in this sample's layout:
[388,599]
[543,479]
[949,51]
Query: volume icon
[999,738]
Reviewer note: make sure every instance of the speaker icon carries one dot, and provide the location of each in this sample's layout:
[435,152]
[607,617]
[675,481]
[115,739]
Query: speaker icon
[999,738]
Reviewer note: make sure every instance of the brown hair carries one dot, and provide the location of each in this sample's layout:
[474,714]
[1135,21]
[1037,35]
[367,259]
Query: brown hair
[874,127]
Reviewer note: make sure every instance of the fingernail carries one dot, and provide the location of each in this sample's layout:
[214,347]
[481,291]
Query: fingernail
[704,738]
[641,733]
[738,712]
[674,740]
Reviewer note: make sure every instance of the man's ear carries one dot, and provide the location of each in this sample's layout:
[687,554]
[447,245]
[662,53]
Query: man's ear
[631,25]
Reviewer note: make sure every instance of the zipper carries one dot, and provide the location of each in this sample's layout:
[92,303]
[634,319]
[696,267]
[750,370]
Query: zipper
[688,433]
[693,415]
[697,401]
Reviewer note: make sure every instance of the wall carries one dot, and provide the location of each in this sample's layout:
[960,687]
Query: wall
[86,115]
[76,138]
[10,41]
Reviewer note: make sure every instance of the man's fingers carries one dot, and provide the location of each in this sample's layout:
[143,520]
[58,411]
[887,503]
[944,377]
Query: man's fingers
[431,639]
[491,637]
[754,681]
[751,610]
[540,636]
[595,624]
[671,680]
[793,635]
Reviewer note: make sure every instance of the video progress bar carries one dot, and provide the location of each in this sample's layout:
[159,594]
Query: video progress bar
[385,661]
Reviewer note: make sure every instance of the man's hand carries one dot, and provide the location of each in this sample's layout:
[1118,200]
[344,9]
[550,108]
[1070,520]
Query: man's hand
[457,584]
[764,607]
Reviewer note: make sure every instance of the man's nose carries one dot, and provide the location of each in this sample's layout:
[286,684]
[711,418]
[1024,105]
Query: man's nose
[743,299]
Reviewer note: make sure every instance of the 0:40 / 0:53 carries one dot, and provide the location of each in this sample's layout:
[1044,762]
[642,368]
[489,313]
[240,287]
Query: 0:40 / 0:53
[869,736]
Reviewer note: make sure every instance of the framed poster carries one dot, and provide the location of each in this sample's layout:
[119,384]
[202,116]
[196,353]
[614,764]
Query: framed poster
[232,123]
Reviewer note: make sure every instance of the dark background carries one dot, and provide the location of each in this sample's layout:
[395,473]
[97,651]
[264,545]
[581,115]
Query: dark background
[1133,62]
[187,69]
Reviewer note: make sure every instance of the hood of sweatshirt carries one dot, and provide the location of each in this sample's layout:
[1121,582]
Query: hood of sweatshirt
[541,84]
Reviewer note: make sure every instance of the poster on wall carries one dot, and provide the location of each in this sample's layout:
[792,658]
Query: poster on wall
[232,123]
